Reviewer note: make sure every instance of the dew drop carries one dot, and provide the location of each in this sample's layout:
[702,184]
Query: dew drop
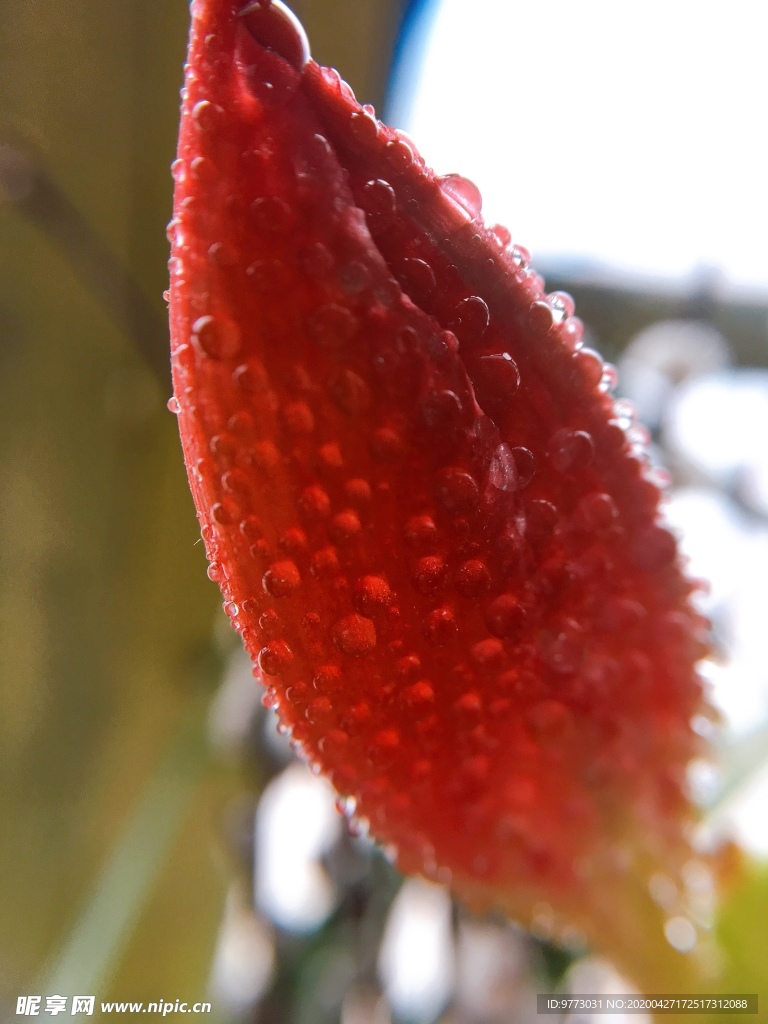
[469,319]
[353,277]
[408,666]
[319,711]
[263,456]
[442,411]
[329,458]
[401,152]
[205,115]
[590,364]
[572,333]
[293,542]
[488,655]
[281,579]
[271,214]
[203,170]
[562,303]
[420,532]
[252,528]
[378,200]
[440,627]
[223,513]
[624,413]
[331,326]
[610,378]
[358,491]
[277,28]
[173,405]
[501,234]
[520,257]
[505,616]
[349,392]
[595,512]
[456,490]
[500,375]
[324,563]
[429,575]
[251,377]
[571,451]
[354,636]
[344,527]
[218,337]
[386,444]
[562,648]
[469,705]
[418,697]
[502,471]
[548,720]
[384,745]
[417,279]
[364,128]
[235,482]
[298,418]
[275,658]
[525,464]
[371,595]
[315,260]
[334,743]
[464,193]
[473,578]
[314,503]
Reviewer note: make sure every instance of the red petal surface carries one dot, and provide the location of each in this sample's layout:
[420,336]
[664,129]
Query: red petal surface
[430,521]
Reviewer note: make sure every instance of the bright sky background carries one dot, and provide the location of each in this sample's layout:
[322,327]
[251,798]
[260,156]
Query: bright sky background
[632,134]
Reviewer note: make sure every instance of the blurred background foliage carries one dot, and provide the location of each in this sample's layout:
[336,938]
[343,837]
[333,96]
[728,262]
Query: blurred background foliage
[132,747]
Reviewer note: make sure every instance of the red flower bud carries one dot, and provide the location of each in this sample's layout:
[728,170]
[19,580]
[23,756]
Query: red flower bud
[429,525]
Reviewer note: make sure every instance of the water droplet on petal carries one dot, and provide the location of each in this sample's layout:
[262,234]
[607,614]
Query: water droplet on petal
[562,303]
[344,527]
[562,648]
[355,636]
[469,319]
[275,658]
[464,193]
[501,234]
[206,115]
[473,578]
[456,490]
[281,579]
[277,28]
[505,616]
[379,202]
[364,128]
[372,594]
[570,451]
[331,326]
[315,260]
[418,697]
[429,575]
[218,337]
[502,471]
[441,627]
[488,655]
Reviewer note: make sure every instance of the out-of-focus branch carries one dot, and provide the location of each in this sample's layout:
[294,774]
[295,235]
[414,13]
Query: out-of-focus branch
[26,183]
